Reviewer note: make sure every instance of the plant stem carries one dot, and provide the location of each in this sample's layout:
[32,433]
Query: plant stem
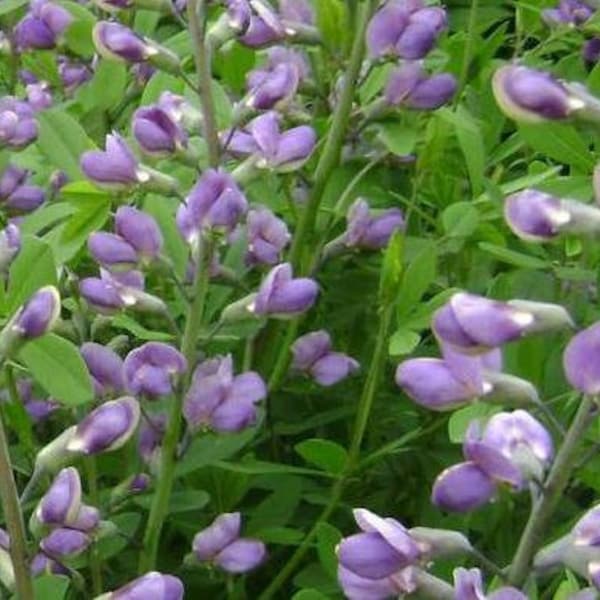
[330,156]
[362,417]
[554,487]
[196,10]
[468,55]
[14,522]
[160,502]
[95,562]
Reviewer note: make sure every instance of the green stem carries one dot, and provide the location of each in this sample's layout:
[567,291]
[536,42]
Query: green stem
[95,561]
[14,522]
[468,55]
[555,485]
[362,418]
[160,502]
[196,10]
[330,156]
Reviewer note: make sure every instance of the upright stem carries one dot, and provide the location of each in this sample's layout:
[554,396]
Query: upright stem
[14,522]
[196,10]
[468,55]
[555,484]
[95,562]
[330,157]
[160,502]
[362,417]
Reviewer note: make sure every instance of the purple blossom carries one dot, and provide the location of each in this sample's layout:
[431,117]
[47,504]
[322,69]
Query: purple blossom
[118,42]
[65,543]
[282,296]
[568,12]
[152,431]
[151,369]
[140,230]
[38,315]
[368,230]
[591,51]
[10,244]
[38,95]
[112,251]
[581,360]
[267,237]
[273,86]
[37,408]
[42,26]
[16,194]
[468,585]
[297,11]
[220,543]
[42,564]
[60,505]
[72,74]
[153,585]
[312,354]
[157,133]
[105,367]
[18,127]
[221,401]
[261,26]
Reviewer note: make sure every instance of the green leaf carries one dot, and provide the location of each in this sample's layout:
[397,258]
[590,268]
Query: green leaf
[159,82]
[403,341]
[131,325]
[325,454]
[127,524]
[180,502]
[45,216]
[106,88]
[418,276]
[512,257]
[309,594]
[79,192]
[79,34]
[62,141]
[328,537]
[32,269]
[331,20]
[460,419]
[560,142]
[56,364]
[398,138]
[391,269]
[9,5]
[460,219]
[50,587]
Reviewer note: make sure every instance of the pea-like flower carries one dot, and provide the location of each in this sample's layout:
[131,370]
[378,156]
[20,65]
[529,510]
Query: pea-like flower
[39,96]
[112,251]
[43,26]
[591,51]
[72,74]
[219,400]
[568,12]
[215,202]
[370,230]
[152,431]
[105,367]
[313,355]
[151,369]
[157,133]
[65,543]
[297,11]
[37,316]
[581,360]
[281,151]
[282,296]
[267,237]
[10,244]
[39,409]
[140,230]
[17,196]
[106,428]
[513,448]
[405,28]
[468,585]
[220,544]
[474,324]
[42,564]
[533,96]
[273,86]
[409,86]
[18,127]
[152,585]
[257,24]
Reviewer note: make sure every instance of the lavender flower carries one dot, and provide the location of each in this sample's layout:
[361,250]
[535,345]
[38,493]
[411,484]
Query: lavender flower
[118,42]
[533,96]
[257,22]
[409,86]
[38,95]
[282,296]
[37,408]
[282,151]
[18,127]
[405,28]
[151,368]
[41,564]
[62,502]
[10,244]
[37,316]
[140,230]
[112,251]
[371,231]
[43,26]
[102,294]
[220,543]
[473,324]
[468,585]
[568,12]
[72,74]
[106,428]
[157,133]
[267,237]
[296,11]
[105,367]
[580,360]
[215,202]
[312,354]
[221,401]
[152,585]
[65,543]
[16,194]
[591,51]
[152,431]
[272,87]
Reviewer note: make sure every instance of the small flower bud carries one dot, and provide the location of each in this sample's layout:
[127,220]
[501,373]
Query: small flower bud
[39,96]
[43,26]
[140,230]
[65,543]
[72,74]
[112,251]
[156,133]
[18,127]
[62,502]
[568,12]
[105,367]
[369,231]
[267,237]
[468,585]
[581,360]
[42,564]
[153,585]
[10,245]
[269,88]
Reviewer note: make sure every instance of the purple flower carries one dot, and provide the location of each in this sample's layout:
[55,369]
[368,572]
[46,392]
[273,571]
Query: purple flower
[282,296]
[258,23]
[152,431]
[65,543]
[37,408]
[157,133]
[533,96]
[72,74]
[221,401]
[312,354]
[363,588]
[151,368]
[369,231]
[18,127]
[42,564]
[117,42]
[273,86]
[16,195]
[112,251]
[409,86]
[153,585]
[60,505]
[282,151]
[38,315]
[591,51]
[114,168]
[581,360]
[38,95]
[102,294]
[267,237]
[42,26]
[468,585]
[568,12]
[405,28]
[107,427]
[297,11]
[220,543]
[10,245]
[140,230]
[473,324]
[215,202]
[105,367]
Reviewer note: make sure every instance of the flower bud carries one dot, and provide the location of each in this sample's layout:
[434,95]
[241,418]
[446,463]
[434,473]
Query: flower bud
[568,12]
[112,251]
[269,88]
[532,96]
[581,360]
[107,427]
[105,367]
[135,484]
[140,230]
[264,26]
[591,51]
[39,96]
[267,237]
[152,431]
[43,26]
[297,11]
[102,295]
[61,503]
[65,543]
[440,543]
[156,133]
[153,585]
[7,574]
[282,296]
[10,245]
[221,401]
[369,231]
[18,127]
[468,585]
[72,74]
[42,564]
[151,369]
